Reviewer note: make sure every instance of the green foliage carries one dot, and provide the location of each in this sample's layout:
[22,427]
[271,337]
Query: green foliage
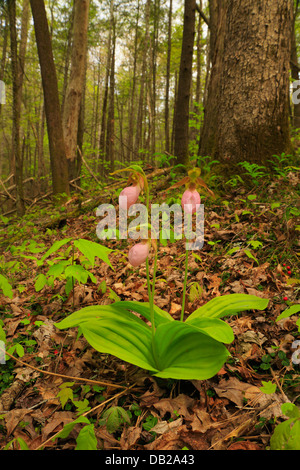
[6,287]
[176,350]
[86,439]
[287,434]
[289,312]
[254,171]
[66,395]
[268,387]
[69,266]
[114,417]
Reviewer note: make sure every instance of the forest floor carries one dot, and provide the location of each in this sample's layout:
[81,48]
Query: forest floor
[52,376]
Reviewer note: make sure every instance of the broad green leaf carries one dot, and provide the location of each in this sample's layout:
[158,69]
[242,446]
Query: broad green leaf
[92,249]
[40,282]
[55,247]
[181,352]
[289,311]
[127,340]
[20,350]
[64,395]
[96,312]
[77,272]
[213,327]
[6,287]
[229,304]
[68,427]
[290,410]
[143,308]
[114,417]
[86,439]
[286,436]
[56,270]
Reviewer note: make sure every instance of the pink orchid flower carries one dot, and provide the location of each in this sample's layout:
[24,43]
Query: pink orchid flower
[128,196]
[189,201]
[138,254]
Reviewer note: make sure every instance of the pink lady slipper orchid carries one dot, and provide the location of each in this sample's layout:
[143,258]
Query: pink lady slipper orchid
[128,196]
[138,253]
[189,201]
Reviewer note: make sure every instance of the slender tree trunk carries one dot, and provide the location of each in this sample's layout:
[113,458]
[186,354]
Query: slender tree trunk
[104,104]
[152,84]
[59,164]
[133,89]
[199,59]
[80,132]
[4,50]
[18,65]
[110,143]
[181,137]
[247,109]
[76,83]
[167,113]
[140,113]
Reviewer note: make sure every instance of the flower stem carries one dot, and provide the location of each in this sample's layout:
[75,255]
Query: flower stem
[184,284]
[152,296]
[148,280]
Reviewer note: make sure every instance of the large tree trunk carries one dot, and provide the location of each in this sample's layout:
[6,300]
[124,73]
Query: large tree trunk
[182,108]
[76,82]
[247,108]
[295,71]
[59,164]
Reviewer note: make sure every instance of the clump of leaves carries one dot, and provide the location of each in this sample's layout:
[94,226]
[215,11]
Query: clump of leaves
[114,418]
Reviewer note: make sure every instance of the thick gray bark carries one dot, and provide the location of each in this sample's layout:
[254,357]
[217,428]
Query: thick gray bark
[247,108]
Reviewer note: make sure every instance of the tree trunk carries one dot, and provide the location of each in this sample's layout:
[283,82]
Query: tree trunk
[247,109]
[111,98]
[5,32]
[18,65]
[140,112]
[199,61]
[167,113]
[133,89]
[67,60]
[181,118]
[104,104]
[59,164]
[76,83]
[295,72]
